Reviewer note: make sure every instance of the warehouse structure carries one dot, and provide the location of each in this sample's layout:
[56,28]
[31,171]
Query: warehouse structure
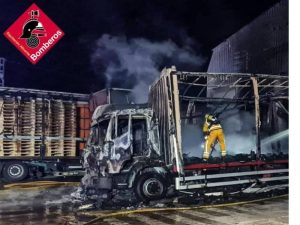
[259,47]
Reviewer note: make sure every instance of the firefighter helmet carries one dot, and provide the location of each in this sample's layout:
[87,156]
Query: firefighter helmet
[28,28]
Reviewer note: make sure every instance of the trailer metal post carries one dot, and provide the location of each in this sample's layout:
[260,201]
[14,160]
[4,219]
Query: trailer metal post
[177,111]
[178,148]
[257,116]
[164,93]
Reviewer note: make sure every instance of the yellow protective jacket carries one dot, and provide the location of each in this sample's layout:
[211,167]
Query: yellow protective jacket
[213,129]
[211,123]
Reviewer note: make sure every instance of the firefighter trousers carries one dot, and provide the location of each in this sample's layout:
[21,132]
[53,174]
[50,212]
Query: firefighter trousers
[214,135]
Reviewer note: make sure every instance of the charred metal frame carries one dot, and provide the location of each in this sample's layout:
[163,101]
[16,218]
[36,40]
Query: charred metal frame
[112,136]
[164,99]
[262,85]
[257,115]
[249,89]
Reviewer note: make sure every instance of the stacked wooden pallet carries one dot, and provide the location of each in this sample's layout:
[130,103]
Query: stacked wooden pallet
[55,143]
[9,127]
[26,121]
[70,129]
[38,131]
[26,126]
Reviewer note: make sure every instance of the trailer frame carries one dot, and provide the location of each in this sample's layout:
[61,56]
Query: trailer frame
[174,87]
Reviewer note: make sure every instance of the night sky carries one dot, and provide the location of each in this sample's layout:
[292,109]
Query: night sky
[79,61]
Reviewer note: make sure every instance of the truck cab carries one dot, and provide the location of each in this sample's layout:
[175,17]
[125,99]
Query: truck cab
[123,152]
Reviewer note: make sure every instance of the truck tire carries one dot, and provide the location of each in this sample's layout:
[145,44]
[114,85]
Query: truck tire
[150,186]
[15,171]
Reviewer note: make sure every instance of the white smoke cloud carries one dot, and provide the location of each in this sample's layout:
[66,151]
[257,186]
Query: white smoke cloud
[238,130]
[135,63]
[192,139]
[240,137]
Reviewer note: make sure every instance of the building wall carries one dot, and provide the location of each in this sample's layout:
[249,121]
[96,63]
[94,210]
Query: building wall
[259,47]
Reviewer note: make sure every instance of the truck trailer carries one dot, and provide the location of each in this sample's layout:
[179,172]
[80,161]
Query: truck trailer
[143,149]
[44,132]
[41,132]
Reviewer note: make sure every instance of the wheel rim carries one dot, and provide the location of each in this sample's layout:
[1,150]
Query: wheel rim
[15,171]
[153,187]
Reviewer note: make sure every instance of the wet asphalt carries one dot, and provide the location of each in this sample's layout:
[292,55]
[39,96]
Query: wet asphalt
[54,205]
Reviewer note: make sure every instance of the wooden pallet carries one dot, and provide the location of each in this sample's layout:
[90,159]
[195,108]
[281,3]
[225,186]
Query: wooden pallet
[9,127]
[22,120]
[70,129]
[56,128]
[26,126]
[38,123]
[70,147]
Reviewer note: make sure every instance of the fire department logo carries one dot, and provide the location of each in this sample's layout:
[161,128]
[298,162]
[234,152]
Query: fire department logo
[33,33]
[33,29]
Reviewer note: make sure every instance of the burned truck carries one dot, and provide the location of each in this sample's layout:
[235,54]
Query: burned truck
[144,149]
[124,141]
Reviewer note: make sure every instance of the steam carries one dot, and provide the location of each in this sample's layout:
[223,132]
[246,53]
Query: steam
[135,63]
[192,139]
[275,137]
[238,127]
[239,134]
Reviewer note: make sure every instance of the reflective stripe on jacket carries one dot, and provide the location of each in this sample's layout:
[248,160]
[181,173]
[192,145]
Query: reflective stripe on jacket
[214,127]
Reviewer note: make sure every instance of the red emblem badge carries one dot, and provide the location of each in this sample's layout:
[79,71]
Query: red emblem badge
[33,33]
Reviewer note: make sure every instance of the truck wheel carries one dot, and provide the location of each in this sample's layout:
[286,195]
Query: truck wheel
[150,186]
[15,171]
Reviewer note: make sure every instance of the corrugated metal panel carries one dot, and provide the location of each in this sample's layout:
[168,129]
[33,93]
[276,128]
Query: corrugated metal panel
[259,47]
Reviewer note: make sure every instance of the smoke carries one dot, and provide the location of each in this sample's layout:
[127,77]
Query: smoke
[239,127]
[240,137]
[135,63]
[192,139]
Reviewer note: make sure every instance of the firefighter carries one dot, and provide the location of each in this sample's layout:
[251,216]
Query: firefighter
[213,132]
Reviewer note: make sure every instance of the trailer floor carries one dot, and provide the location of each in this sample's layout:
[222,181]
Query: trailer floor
[37,203]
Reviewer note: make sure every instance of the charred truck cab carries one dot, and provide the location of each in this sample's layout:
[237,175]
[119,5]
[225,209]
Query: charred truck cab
[142,148]
[123,153]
